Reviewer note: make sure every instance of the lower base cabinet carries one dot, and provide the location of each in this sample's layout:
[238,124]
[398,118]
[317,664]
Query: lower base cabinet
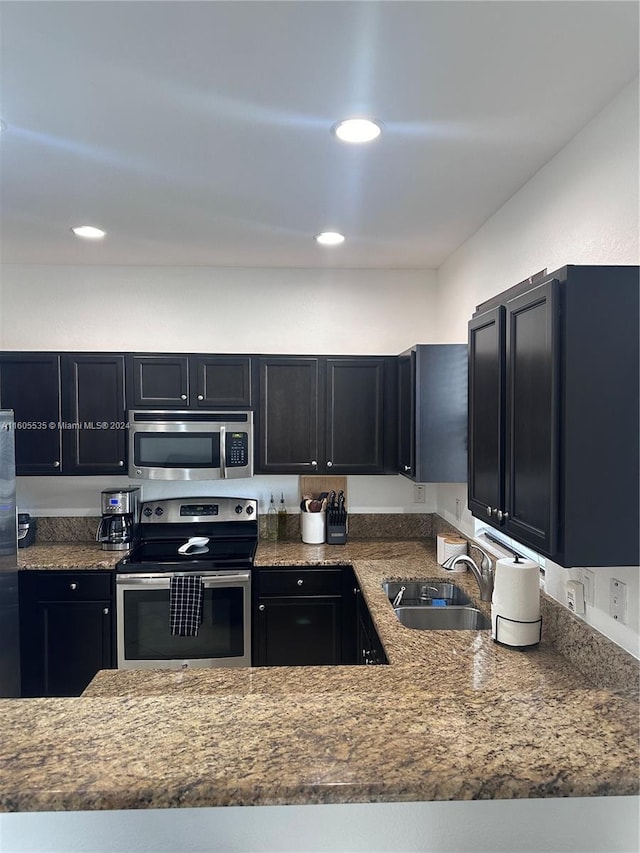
[67,630]
[311,617]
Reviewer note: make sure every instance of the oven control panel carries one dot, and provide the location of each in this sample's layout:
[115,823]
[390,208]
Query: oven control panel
[188,510]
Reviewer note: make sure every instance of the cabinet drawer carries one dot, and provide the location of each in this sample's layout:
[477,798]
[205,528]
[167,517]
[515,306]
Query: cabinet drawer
[300,582]
[68,586]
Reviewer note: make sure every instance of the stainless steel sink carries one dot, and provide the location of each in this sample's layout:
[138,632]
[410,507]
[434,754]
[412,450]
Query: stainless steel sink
[423,593]
[453,618]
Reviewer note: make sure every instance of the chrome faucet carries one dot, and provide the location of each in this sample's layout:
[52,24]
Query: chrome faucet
[483,574]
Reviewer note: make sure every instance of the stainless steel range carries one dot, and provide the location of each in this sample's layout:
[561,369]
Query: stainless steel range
[183,593]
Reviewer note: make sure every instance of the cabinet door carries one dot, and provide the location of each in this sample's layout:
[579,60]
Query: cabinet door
[30,385]
[95,435]
[486,414]
[355,415]
[406,414]
[298,631]
[532,427]
[159,382]
[288,417]
[221,381]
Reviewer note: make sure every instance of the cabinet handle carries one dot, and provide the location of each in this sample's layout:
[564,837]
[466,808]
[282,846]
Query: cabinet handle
[106,611]
[183,396]
[300,581]
[56,464]
[200,396]
[505,515]
[329,464]
[489,511]
[407,467]
[314,464]
[73,586]
[261,607]
[121,464]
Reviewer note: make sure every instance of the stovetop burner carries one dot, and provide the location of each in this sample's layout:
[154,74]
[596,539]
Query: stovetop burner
[162,537]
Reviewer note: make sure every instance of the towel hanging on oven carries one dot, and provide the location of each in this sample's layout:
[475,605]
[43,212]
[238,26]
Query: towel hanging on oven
[186,593]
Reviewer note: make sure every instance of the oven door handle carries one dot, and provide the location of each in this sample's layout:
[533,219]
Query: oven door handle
[208,579]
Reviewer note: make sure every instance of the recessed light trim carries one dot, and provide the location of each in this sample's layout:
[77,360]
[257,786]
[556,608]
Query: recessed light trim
[88,232]
[329,238]
[357,130]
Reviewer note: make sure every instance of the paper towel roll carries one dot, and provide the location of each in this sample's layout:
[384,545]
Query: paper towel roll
[515,605]
[450,546]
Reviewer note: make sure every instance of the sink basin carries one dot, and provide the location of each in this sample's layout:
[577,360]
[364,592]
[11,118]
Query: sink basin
[423,593]
[454,618]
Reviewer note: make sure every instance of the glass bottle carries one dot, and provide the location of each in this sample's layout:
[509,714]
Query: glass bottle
[282,519]
[272,521]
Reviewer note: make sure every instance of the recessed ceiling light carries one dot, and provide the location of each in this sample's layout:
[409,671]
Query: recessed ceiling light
[329,238]
[357,130]
[89,232]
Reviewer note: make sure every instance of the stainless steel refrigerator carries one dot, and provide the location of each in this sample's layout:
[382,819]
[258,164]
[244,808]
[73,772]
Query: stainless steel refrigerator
[9,628]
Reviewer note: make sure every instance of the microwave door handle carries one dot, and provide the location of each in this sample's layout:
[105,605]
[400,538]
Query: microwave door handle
[223,452]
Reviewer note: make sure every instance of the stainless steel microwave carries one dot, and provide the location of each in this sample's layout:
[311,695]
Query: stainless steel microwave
[186,445]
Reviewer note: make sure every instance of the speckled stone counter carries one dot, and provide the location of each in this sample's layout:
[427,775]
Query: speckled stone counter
[454,716]
[63,555]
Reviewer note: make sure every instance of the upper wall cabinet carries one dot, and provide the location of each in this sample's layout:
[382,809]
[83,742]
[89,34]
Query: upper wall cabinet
[553,415]
[189,381]
[326,415]
[69,412]
[30,385]
[432,413]
[93,400]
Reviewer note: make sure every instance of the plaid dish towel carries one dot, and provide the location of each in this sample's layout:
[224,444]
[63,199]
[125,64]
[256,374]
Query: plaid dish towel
[185,605]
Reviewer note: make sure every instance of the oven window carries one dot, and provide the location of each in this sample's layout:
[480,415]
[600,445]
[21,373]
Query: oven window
[177,450]
[147,635]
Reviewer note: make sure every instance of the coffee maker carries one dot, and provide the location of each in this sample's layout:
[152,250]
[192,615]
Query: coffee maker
[120,508]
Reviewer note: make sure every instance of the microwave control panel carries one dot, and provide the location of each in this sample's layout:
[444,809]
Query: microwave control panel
[237,449]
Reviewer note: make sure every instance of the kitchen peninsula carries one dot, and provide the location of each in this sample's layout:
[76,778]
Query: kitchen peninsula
[453,717]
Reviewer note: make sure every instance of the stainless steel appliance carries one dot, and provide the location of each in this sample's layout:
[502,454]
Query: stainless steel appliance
[9,625]
[185,445]
[211,538]
[27,527]
[120,509]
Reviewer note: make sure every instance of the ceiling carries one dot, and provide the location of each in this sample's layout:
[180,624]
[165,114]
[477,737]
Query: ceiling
[198,133]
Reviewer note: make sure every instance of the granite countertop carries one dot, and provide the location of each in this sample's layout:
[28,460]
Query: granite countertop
[454,716]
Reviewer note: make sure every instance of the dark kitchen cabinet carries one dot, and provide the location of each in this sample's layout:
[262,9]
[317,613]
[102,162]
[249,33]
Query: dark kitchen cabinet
[66,630]
[432,413]
[553,414]
[189,381]
[30,385]
[297,616]
[326,415]
[94,440]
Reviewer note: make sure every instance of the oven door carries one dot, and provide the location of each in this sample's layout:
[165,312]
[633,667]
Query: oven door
[144,637]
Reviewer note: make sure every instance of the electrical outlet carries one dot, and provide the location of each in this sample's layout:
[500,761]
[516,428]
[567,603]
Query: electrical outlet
[418,494]
[458,509]
[618,600]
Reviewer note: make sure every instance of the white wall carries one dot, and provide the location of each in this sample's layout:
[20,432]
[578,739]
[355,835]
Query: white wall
[204,309]
[200,309]
[580,208]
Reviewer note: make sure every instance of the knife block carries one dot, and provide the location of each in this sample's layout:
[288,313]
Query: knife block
[336,528]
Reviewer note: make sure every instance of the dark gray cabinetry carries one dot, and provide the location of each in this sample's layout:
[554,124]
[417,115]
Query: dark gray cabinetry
[325,415]
[30,385]
[432,413]
[66,630]
[297,616]
[69,411]
[94,440]
[189,381]
[553,414]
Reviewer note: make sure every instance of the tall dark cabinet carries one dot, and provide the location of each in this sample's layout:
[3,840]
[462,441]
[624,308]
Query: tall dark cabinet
[553,414]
